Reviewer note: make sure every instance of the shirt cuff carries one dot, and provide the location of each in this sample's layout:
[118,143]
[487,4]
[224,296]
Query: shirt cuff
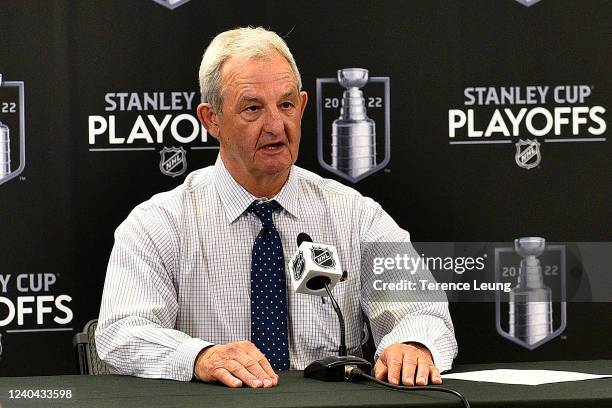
[184,358]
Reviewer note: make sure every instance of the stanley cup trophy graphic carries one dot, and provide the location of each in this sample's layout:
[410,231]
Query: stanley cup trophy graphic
[353,133]
[358,141]
[530,314]
[5,151]
[528,308]
[12,129]
[530,304]
[171,4]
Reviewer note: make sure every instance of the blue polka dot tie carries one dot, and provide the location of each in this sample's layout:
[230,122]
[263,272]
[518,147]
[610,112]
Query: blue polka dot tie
[268,294]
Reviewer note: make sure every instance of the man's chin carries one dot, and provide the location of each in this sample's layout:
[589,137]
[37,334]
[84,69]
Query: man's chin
[277,169]
[276,163]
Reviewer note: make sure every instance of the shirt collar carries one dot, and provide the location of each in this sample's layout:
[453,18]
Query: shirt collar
[288,196]
[236,199]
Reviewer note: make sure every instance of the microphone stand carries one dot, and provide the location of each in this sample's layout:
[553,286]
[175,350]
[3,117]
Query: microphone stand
[336,368]
[342,349]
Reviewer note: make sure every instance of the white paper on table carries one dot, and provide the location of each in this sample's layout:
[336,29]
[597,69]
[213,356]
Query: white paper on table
[523,377]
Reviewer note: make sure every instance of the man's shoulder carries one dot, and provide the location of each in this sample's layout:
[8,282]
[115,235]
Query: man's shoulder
[345,204]
[312,181]
[170,204]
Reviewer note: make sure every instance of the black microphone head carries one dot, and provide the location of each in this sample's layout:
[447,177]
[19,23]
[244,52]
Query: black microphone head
[318,282]
[303,237]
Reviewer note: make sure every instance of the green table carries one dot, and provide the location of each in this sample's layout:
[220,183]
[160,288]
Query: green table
[296,391]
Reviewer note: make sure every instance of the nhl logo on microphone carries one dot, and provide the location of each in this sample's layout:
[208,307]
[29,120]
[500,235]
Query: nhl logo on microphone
[312,267]
[298,265]
[322,257]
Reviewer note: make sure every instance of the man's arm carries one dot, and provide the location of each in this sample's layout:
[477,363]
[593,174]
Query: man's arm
[135,333]
[414,335]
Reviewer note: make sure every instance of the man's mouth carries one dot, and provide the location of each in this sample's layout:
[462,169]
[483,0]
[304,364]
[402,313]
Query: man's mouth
[273,146]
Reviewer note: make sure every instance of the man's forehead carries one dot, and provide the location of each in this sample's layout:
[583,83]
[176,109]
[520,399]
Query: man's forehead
[245,94]
[256,70]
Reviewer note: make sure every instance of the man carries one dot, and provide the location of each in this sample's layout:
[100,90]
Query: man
[190,289]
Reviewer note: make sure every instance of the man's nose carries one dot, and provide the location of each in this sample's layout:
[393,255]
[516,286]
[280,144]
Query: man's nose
[273,121]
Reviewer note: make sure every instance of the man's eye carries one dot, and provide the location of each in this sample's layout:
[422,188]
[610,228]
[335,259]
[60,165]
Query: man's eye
[251,108]
[286,105]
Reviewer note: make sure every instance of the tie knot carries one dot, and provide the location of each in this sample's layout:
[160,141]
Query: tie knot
[263,210]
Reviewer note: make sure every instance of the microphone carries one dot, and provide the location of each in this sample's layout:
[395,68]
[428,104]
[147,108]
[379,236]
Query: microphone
[314,266]
[302,236]
[315,270]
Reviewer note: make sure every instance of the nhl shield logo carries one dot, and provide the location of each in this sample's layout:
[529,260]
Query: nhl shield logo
[322,257]
[171,4]
[298,266]
[528,153]
[173,161]
[12,129]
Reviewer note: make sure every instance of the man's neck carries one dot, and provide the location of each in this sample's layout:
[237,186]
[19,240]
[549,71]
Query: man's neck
[265,186]
[268,186]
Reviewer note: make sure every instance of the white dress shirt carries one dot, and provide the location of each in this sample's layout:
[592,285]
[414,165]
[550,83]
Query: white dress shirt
[178,278]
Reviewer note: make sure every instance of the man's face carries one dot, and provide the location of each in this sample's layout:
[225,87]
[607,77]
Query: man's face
[259,124]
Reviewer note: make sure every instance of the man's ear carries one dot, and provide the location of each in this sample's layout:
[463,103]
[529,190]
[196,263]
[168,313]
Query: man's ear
[304,100]
[209,119]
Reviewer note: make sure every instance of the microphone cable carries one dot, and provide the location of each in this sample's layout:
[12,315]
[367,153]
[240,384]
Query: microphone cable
[354,374]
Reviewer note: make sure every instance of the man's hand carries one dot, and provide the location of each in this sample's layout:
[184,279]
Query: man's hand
[412,360]
[234,364]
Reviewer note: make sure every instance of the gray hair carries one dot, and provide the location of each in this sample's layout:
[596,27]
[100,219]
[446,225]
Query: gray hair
[243,43]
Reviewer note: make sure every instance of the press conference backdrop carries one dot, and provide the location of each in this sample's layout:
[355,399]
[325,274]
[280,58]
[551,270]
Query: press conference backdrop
[491,123]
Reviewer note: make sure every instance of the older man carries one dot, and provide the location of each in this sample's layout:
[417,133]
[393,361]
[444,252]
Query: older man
[190,290]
